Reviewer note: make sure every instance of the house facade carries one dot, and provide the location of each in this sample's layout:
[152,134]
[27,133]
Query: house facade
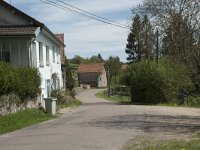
[93,74]
[27,42]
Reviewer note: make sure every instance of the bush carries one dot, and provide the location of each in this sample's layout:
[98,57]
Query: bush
[156,83]
[24,82]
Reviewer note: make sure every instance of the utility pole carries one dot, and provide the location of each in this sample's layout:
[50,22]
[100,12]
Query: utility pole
[157,46]
[108,75]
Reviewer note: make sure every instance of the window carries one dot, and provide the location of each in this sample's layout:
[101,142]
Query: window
[41,53]
[47,55]
[53,49]
[6,57]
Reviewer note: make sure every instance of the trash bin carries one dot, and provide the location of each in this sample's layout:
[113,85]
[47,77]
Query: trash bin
[50,105]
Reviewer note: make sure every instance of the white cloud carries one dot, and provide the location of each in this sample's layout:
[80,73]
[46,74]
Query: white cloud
[84,36]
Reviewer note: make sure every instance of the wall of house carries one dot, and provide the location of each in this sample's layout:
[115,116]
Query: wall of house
[46,70]
[102,79]
[8,16]
[88,78]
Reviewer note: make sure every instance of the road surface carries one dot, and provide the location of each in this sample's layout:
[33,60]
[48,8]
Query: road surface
[102,125]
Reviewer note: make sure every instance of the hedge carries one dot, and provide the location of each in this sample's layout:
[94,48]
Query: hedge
[22,81]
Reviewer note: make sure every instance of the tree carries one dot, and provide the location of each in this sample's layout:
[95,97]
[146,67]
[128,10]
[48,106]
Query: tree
[100,57]
[95,59]
[114,65]
[70,83]
[77,60]
[178,21]
[141,39]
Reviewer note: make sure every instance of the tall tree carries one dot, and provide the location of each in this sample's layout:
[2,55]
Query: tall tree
[141,39]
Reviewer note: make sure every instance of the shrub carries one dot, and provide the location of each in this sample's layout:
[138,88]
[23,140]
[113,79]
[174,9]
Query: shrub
[156,83]
[24,82]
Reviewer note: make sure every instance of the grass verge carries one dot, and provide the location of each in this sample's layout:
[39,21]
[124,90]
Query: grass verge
[192,144]
[121,99]
[22,119]
[71,104]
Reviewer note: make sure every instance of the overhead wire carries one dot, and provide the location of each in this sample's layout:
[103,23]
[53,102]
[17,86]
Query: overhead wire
[91,16]
[84,11]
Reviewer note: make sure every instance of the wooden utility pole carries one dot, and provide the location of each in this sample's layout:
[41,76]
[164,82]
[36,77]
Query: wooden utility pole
[108,81]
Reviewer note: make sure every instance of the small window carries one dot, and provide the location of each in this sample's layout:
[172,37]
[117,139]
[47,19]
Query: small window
[41,53]
[53,50]
[47,55]
[6,56]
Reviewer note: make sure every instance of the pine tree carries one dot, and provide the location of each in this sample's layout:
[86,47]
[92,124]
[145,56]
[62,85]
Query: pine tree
[141,40]
[133,46]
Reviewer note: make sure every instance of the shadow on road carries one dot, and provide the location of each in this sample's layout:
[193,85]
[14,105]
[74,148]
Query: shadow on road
[149,123]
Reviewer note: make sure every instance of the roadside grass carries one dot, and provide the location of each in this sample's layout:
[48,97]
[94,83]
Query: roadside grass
[127,100]
[71,104]
[121,99]
[192,144]
[22,119]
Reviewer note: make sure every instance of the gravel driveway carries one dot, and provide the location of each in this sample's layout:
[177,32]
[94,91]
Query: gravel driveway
[102,125]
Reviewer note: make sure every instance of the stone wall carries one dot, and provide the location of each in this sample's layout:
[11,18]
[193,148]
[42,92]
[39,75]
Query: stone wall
[12,104]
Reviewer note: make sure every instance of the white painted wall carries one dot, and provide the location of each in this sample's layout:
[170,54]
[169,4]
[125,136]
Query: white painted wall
[47,70]
[102,79]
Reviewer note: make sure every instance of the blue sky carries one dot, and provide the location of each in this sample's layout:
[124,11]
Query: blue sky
[83,36]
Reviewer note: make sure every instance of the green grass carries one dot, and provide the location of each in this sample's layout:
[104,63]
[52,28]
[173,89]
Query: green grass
[122,99]
[22,119]
[193,144]
[72,104]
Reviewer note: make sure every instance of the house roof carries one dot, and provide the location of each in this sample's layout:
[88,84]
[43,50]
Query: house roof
[91,68]
[18,30]
[32,20]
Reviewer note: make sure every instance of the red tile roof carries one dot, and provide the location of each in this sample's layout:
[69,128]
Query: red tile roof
[91,68]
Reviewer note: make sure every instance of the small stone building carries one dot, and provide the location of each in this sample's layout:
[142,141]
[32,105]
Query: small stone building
[93,74]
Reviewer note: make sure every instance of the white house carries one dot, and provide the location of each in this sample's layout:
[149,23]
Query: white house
[25,41]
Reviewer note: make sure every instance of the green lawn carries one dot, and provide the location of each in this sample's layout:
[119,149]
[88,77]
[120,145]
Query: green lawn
[22,119]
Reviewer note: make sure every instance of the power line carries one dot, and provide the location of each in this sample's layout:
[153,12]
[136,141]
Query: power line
[94,17]
[88,12]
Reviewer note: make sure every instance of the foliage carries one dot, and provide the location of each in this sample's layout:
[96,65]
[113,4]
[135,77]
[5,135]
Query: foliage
[178,22]
[93,59]
[22,119]
[114,65]
[141,39]
[70,82]
[122,98]
[156,83]
[24,82]
[76,60]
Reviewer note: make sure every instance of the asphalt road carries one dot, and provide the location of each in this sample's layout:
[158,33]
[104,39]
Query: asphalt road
[102,125]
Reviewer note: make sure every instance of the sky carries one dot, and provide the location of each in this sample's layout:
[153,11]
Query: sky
[84,36]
